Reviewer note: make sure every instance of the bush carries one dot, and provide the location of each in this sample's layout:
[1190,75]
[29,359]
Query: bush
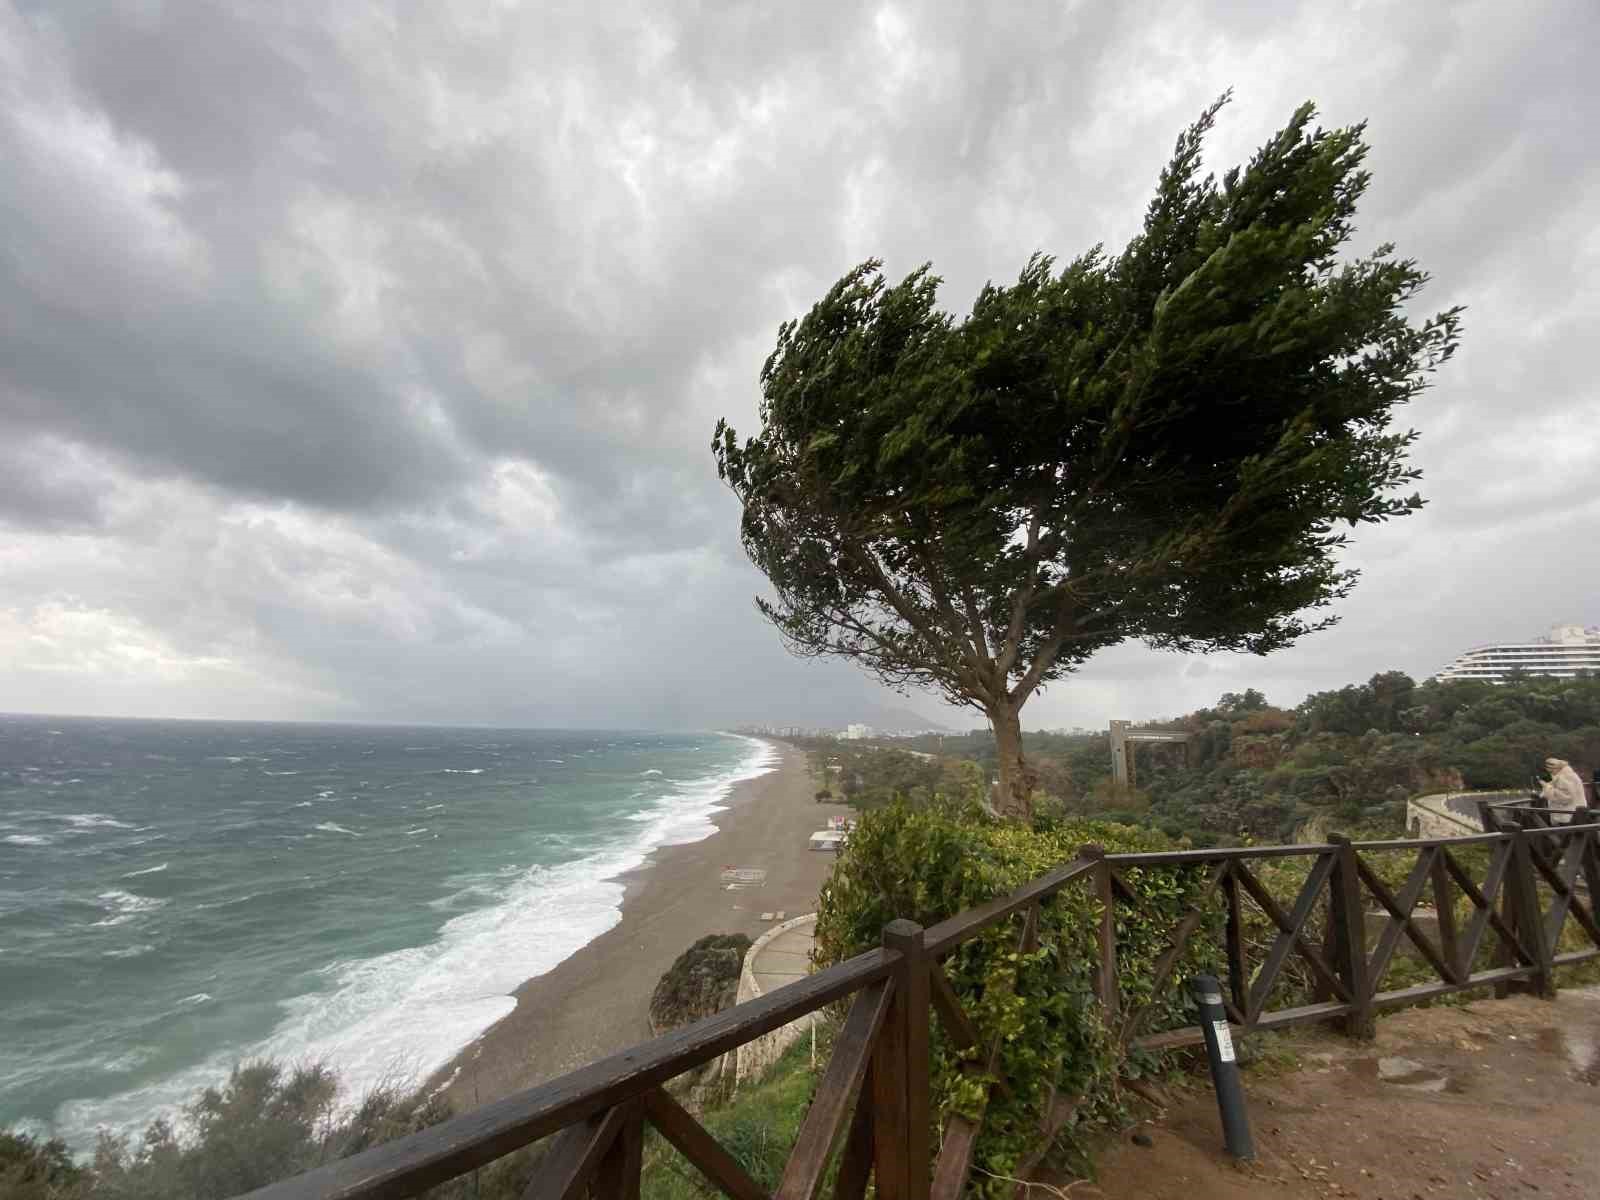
[266,1123]
[35,1170]
[931,863]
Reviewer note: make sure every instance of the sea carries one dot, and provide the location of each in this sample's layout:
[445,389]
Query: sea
[180,896]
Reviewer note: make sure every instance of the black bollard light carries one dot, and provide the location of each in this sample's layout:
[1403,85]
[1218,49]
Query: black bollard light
[1224,1067]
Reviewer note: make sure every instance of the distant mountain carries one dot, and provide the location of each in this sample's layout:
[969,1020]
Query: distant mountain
[899,720]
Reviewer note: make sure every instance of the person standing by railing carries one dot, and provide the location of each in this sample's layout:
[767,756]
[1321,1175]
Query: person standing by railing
[1564,792]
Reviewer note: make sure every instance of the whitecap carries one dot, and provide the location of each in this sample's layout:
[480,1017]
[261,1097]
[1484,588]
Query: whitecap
[196,1000]
[330,827]
[147,871]
[26,839]
[651,771]
[129,952]
[127,1062]
[462,771]
[91,821]
[420,1006]
[123,907]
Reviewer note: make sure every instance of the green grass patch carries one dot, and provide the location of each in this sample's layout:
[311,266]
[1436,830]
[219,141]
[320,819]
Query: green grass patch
[757,1125]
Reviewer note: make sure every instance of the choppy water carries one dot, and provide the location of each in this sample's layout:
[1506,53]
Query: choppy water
[177,895]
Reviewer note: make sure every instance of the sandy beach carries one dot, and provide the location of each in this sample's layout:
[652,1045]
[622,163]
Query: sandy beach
[596,1002]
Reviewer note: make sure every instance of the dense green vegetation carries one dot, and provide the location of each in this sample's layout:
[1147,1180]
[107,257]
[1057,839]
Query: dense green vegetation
[931,862]
[1345,759]
[266,1122]
[1166,443]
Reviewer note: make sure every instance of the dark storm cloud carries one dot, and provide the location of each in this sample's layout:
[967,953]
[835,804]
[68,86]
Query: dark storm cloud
[360,360]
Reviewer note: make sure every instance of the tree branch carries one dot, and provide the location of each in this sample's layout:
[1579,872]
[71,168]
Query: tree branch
[907,611]
[1021,601]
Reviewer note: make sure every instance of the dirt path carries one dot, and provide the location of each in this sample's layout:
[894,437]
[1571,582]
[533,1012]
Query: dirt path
[1497,1099]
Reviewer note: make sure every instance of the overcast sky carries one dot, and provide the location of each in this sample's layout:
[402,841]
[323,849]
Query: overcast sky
[359,361]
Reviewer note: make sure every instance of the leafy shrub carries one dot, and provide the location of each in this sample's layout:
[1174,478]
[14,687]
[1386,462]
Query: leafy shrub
[930,863]
[35,1170]
[267,1122]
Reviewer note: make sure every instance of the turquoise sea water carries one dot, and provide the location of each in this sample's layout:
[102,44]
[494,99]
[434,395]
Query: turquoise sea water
[175,896]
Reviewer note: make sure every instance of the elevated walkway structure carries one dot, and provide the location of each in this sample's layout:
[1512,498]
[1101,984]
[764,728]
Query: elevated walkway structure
[1125,735]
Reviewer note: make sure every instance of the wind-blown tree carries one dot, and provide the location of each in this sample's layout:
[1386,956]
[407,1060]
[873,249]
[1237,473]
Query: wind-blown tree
[1161,444]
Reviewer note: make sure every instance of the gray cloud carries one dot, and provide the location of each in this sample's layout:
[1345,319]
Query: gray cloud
[359,361]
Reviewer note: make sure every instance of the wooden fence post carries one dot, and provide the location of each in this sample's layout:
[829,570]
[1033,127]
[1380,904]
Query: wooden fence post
[1105,973]
[1527,917]
[617,1177]
[902,1120]
[1348,938]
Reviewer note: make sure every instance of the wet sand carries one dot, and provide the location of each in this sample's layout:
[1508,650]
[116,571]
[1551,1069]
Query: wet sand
[596,1002]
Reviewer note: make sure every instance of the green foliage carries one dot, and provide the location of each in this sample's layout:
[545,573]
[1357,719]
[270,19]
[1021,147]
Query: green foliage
[1157,444]
[265,1123]
[757,1125]
[931,863]
[1352,756]
[869,776]
[704,979]
[31,1169]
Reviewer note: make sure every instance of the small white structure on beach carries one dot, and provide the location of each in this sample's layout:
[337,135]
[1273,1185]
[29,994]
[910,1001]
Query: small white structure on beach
[826,839]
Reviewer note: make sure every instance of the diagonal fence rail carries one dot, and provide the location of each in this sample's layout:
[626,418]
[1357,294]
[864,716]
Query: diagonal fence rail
[1502,904]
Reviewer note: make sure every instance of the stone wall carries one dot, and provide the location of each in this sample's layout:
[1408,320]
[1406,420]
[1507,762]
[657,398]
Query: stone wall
[1450,814]
[753,1058]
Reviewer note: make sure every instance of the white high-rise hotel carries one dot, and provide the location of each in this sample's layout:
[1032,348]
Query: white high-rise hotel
[1567,650]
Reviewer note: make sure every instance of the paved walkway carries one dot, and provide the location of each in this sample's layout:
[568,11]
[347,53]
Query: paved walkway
[786,957]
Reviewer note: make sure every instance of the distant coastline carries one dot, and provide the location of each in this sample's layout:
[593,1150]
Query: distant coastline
[596,1001]
[367,896]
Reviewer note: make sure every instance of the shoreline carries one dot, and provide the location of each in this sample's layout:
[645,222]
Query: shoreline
[596,1001]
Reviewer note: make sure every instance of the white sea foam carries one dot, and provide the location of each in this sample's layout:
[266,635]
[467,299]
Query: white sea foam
[128,1061]
[330,827]
[412,1010]
[651,771]
[122,907]
[462,771]
[129,952]
[91,821]
[147,871]
[26,839]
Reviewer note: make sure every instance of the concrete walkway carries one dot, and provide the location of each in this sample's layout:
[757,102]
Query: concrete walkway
[786,957]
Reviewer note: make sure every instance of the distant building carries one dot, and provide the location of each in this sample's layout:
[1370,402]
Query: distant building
[856,732]
[1562,654]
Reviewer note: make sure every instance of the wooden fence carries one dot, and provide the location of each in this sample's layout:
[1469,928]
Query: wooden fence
[1534,880]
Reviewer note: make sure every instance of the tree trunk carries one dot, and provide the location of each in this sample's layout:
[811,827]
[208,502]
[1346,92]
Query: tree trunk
[1013,798]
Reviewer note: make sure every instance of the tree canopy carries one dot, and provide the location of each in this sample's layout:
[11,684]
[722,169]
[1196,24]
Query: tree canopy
[1159,444]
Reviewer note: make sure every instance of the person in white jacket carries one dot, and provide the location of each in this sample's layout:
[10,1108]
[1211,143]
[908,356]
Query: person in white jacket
[1565,789]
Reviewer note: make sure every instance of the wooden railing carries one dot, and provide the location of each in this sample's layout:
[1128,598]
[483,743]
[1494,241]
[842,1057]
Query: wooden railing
[873,1096]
